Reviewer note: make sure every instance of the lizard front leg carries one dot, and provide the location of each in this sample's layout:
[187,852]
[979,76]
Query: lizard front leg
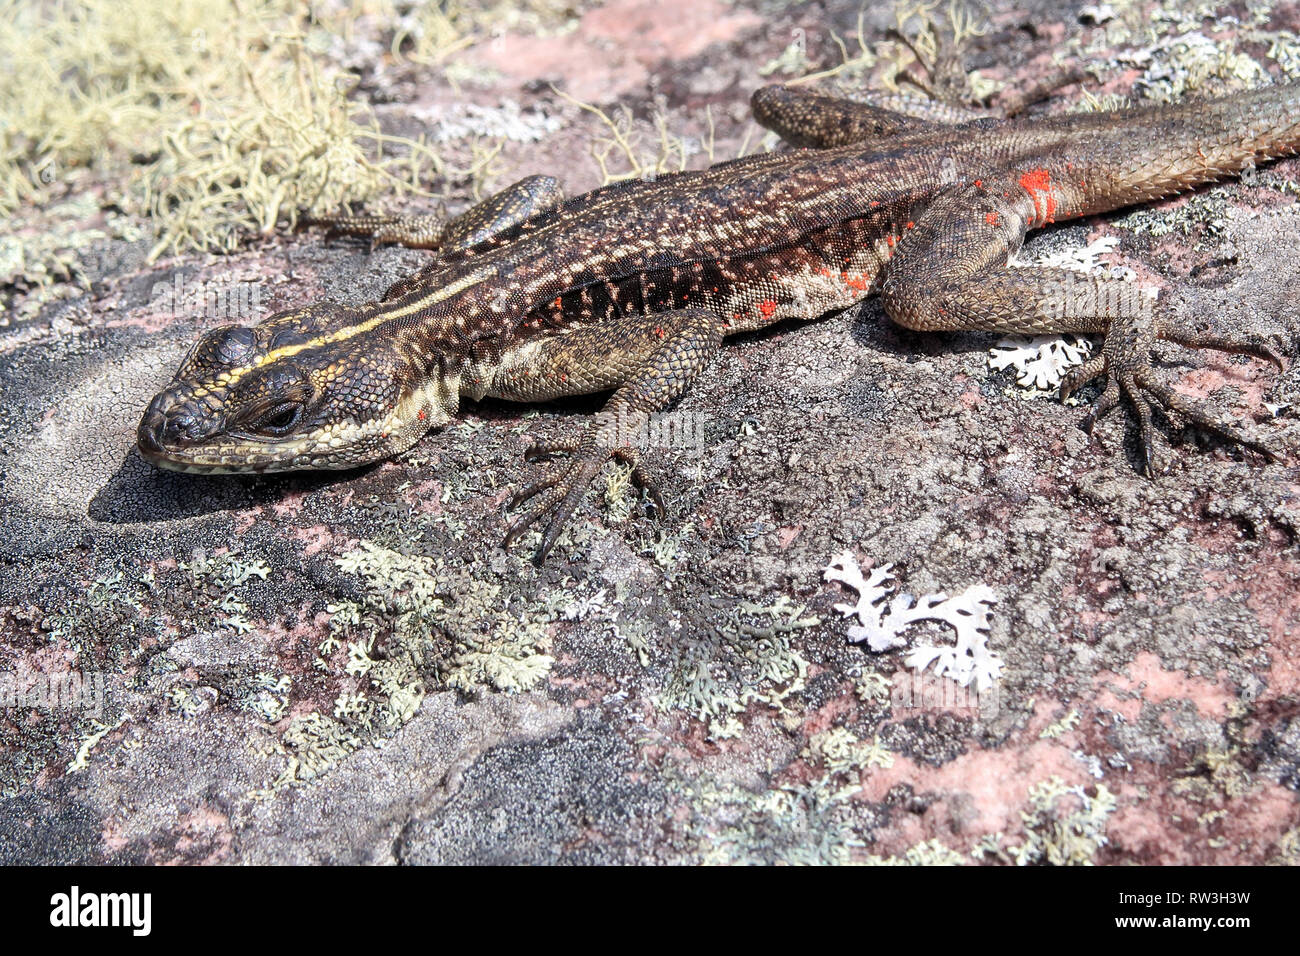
[951,273]
[648,360]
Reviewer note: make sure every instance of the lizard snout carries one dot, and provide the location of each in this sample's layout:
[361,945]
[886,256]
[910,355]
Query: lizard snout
[166,424]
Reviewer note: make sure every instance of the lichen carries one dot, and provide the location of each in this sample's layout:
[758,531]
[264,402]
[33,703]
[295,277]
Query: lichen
[1039,361]
[1060,727]
[436,622]
[1064,826]
[743,655]
[210,127]
[101,730]
[883,617]
[841,751]
[313,743]
[927,853]
[793,825]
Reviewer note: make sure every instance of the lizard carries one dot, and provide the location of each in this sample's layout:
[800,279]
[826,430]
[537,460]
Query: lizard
[631,289]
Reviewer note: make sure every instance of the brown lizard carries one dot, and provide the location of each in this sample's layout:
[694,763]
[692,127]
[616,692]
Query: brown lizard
[632,288]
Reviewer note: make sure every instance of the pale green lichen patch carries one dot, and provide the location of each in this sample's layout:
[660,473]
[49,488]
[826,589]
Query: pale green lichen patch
[419,625]
[841,751]
[439,620]
[1201,218]
[1060,727]
[1064,826]
[312,745]
[927,853]
[210,126]
[805,825]
[813,822]
[1181,47]
[742,656]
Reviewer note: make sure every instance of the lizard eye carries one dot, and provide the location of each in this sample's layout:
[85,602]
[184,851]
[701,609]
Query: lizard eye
[278,420]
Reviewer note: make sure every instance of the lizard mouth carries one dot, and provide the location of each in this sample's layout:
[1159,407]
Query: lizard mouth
[170,437]
[177,438]
[228,460]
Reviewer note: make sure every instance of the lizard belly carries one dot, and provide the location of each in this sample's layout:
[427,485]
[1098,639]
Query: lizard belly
[812,286]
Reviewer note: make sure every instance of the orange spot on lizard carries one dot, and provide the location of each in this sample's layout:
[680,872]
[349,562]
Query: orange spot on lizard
[1038,183]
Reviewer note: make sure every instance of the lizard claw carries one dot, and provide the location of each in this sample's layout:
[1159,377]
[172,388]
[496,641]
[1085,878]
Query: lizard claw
[1125,362]
[555,495]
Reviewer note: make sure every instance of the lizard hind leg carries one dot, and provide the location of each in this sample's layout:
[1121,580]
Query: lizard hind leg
[951,272]
[499,212]
[814,120]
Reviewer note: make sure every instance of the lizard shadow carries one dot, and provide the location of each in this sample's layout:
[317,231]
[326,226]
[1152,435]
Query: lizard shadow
[138,492]
[871,328]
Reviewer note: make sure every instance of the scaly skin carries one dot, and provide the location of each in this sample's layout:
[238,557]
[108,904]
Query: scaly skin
[632,288]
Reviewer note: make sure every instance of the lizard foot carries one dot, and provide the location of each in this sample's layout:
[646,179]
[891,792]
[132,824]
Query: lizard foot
[1126,364]
[563,482]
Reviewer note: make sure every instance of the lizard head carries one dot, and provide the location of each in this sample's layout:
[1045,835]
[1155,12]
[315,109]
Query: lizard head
[315,387]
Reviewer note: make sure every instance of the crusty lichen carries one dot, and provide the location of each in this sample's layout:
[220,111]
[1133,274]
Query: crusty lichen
[437,621]
[800,825]
[926,853]
[419,625]
[804,823]
[1063,826]
[842,752]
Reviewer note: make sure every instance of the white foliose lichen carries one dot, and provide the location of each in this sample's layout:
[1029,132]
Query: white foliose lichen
[883,617]
[1041,361]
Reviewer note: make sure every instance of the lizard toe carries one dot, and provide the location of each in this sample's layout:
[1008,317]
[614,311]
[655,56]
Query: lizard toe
[641,479]
[1080,375]
[1105,403]
[1128,382]
[550,478]
[570,491]
[650,489]
[556,494]
[1200,415]
[542,507]
[538,451]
